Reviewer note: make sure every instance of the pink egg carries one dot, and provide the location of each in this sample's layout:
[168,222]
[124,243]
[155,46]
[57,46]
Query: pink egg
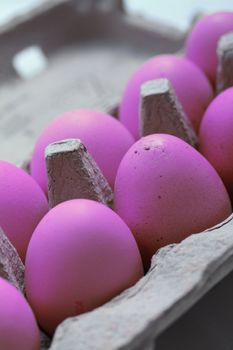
[106,139]
[202,41]
[191,86]
[216,136]
[18,328]
[81,255]
[22,205]
[165,190]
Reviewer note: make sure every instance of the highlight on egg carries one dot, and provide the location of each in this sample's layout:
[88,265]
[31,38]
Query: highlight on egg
[105,138]
[216,136]
[18,327]
[22,205]
[189,82]
[81,255]
[202,41]
[165,190]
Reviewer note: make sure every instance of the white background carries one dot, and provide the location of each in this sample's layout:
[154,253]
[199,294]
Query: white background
[174,12]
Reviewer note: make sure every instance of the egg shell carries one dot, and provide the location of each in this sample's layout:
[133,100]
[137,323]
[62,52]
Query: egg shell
[105,138]
[22,205]
[81,255]
[165,190]
[18,327]
[216,136]
[202,41]
[191,86]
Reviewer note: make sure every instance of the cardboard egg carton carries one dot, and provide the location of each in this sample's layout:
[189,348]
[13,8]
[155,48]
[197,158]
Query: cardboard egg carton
[90,49]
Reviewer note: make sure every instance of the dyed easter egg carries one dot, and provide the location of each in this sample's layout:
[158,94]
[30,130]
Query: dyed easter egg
[165,190]
[18,327]
[81,255]
[191,86]
[22,205]
[202,41]
[105,138]
[216,136]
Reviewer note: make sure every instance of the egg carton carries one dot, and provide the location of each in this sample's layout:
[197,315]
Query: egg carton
[87,50]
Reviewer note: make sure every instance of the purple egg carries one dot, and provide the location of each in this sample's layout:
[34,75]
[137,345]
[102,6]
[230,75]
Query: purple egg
[216,136]
[18,327]
[191,86]
[165,190]
[22,205]
[106,139]
[81,255]
[202,41]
